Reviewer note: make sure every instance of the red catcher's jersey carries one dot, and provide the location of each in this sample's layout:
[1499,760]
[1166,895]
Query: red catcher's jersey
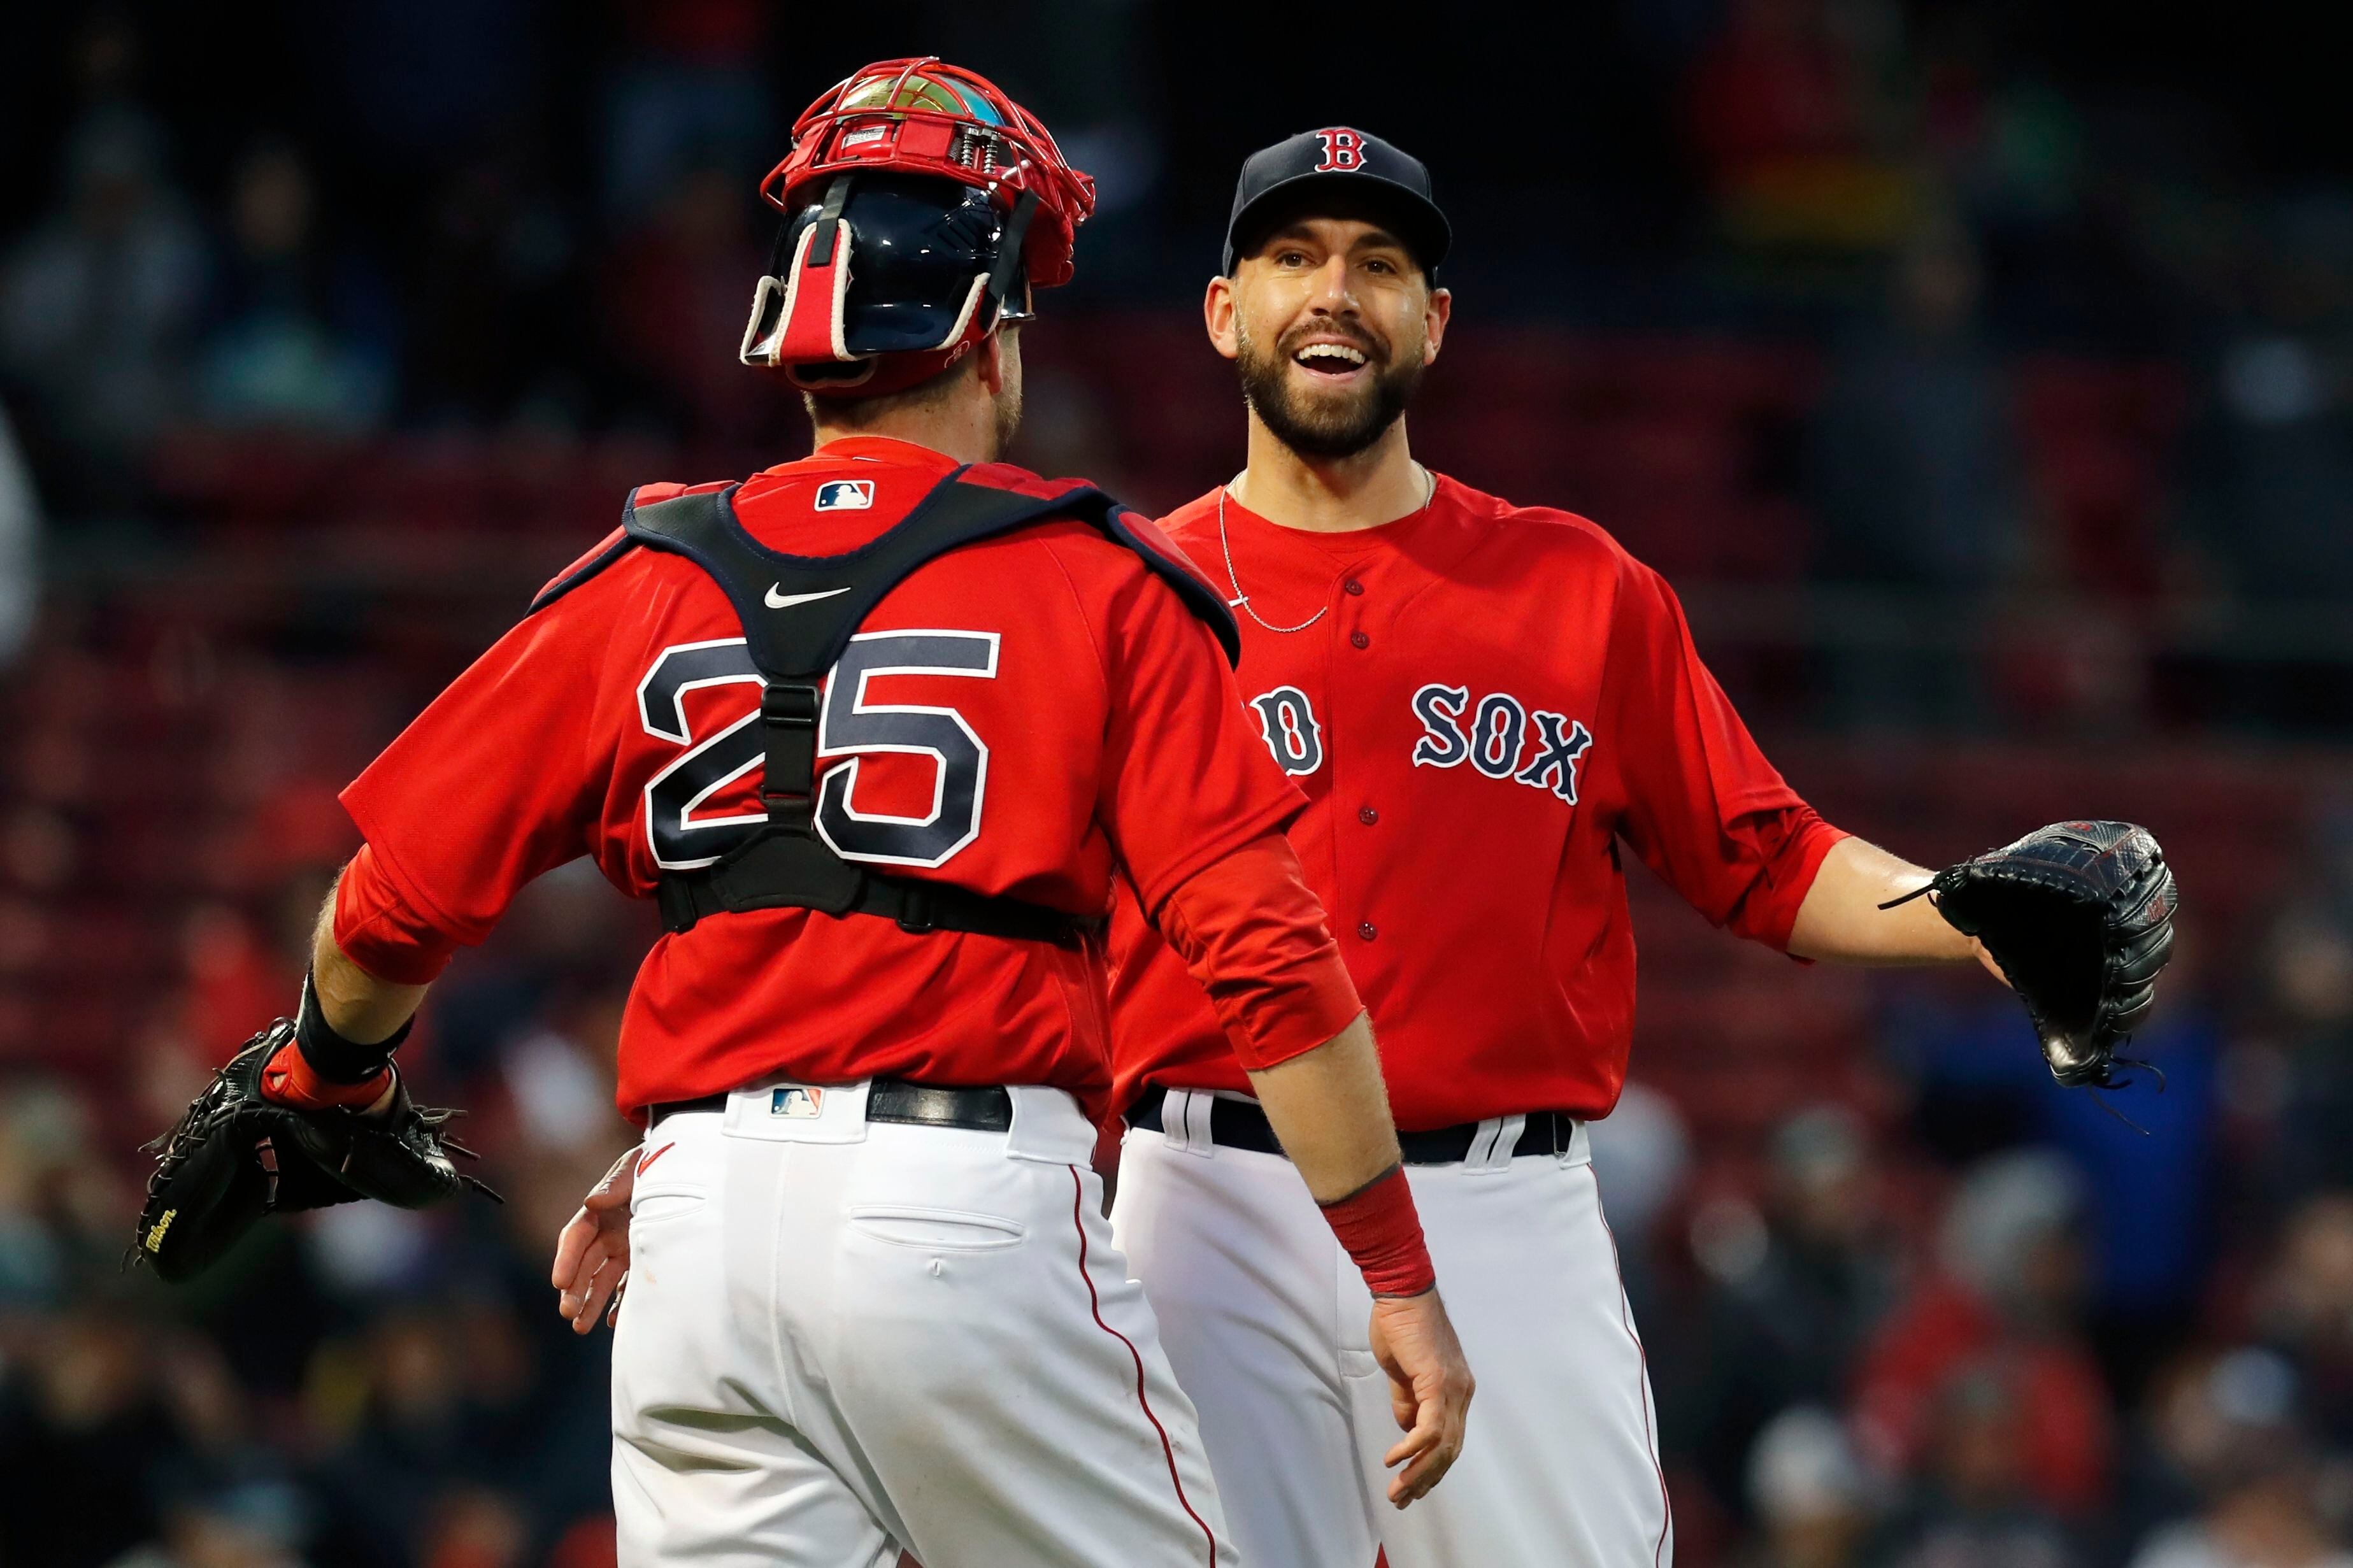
[1493,696]
[1053,711]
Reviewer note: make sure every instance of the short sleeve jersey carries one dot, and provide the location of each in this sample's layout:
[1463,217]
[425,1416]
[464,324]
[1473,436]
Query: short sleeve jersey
[1482,702]
[1071,718]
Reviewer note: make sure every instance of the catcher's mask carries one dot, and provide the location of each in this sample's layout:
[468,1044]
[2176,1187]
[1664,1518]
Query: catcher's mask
[921,208]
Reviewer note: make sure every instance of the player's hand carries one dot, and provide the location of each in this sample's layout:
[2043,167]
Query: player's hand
[592,1253]
[1430,1389]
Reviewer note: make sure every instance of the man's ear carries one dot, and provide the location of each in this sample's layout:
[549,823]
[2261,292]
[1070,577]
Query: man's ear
[1218,315]
[988,363]
[1434,319]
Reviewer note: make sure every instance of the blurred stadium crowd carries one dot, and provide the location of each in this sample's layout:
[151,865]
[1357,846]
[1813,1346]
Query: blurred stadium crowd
[1984,379]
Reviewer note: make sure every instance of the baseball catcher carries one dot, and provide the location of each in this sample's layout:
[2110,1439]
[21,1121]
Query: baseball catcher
[879,730]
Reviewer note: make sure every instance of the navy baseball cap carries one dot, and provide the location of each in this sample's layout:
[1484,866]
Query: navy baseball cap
[1354,170]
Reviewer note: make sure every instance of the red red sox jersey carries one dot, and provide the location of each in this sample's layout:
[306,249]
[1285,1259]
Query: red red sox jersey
[1056,713]
[1489,701]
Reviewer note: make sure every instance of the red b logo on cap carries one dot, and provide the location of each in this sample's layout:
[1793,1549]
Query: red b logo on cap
[1344,151]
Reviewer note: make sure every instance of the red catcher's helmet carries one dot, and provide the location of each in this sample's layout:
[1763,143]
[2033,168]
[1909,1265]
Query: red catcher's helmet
[948,166]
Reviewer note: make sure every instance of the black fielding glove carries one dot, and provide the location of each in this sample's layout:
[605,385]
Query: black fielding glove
[237,1154]
[2080,917]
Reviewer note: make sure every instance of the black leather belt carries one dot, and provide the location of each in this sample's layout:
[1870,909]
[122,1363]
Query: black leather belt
[985,1110]
[1239,1124]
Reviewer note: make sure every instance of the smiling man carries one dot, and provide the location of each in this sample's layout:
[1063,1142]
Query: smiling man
[1482,702]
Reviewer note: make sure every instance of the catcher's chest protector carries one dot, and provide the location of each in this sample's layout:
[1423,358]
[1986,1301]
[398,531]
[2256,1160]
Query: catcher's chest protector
[798,613]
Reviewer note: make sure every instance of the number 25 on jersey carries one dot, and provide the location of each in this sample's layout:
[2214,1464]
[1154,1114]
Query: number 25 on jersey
[849,727]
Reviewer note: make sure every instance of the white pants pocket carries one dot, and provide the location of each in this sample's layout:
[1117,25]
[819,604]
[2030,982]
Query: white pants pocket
[938,1229]
[653,1208]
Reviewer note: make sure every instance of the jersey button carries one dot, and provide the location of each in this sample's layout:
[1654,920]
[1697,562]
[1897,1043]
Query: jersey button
[1354,586]
[1367,815]
[1359,639]
[1368,930]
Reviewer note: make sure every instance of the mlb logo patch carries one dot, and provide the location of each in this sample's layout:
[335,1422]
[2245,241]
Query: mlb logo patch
[845,494]
[797,1100]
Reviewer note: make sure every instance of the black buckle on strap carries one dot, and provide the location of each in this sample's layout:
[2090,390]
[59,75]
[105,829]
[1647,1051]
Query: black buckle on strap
[789,705]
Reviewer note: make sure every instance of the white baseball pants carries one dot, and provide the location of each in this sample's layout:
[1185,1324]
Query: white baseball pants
[1264,1317]
[841,1339]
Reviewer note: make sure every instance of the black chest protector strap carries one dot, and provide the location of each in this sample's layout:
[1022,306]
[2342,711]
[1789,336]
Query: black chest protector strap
[798,613]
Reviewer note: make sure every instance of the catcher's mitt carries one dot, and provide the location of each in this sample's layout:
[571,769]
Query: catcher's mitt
[2080,917]
[236,1155]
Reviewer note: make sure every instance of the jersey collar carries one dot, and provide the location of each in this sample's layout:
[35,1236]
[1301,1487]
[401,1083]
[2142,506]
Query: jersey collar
[1350,544]
[881,449]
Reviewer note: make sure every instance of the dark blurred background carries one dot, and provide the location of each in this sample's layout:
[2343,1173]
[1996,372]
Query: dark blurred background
[1981,373]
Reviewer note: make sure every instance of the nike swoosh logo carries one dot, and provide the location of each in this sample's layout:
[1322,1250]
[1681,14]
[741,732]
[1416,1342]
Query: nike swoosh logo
[786,601]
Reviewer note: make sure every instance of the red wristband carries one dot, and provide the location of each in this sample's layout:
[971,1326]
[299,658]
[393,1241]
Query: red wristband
[289,1078]
[1380,1230]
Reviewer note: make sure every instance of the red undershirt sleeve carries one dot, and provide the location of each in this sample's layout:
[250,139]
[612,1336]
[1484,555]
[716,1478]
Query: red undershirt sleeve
[1253,934]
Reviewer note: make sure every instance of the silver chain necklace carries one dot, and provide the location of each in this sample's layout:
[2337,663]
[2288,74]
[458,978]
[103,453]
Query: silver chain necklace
[1241,601]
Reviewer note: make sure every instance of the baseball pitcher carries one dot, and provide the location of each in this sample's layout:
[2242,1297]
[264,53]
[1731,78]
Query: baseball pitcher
[1488,707]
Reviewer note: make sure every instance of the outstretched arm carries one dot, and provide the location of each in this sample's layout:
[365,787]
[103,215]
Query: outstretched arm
[1841,921]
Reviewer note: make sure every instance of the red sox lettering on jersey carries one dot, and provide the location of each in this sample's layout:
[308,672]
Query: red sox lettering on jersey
[1287,719]
[1492,743]
[1494,698]
[1496,732]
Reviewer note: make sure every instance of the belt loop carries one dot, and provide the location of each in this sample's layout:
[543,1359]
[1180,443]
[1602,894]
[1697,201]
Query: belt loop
[1492,1147]
[1200,1134]
[1048,1127]
[1579,1142]
[1185,1122]
[1172,1117]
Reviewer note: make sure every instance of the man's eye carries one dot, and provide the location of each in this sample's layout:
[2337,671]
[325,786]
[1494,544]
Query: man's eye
[1377,264]
[1291,258]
